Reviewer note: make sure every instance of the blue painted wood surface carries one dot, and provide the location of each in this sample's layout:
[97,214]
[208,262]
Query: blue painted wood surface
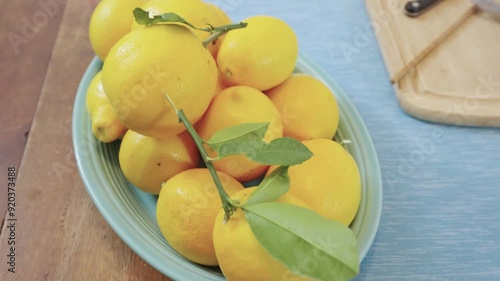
[441,210]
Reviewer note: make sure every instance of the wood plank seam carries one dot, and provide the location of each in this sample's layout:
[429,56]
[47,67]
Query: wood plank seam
[56,19]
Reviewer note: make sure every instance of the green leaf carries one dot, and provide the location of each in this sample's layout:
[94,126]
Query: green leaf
[238,133]
[272,187]
[145,18]
[142,17]
[307,243]
[247,148]
[281,151]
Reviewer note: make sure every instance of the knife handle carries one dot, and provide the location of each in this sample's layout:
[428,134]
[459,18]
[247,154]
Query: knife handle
[416,7]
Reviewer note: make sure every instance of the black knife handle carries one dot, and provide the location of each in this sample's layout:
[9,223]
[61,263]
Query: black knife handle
[416,7]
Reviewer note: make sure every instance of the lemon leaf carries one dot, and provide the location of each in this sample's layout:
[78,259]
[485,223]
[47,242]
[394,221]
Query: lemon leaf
[280,151]
[238,133]
[144,18]
[272,187]
[141,16]
[305,242]
[247,148]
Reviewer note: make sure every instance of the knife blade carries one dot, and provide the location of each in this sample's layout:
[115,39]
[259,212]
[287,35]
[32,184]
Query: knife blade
[415,8]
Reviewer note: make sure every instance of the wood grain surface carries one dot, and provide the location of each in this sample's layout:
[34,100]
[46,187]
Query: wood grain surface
[439,219]
[60,235]
[25,54]
[458,78]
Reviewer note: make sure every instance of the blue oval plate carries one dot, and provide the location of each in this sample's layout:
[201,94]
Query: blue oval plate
[131,213]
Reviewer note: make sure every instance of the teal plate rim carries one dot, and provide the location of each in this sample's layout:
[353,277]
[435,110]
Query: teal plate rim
[130,212]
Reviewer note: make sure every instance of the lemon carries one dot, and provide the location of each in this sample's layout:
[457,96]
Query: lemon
[262,55]
[106,126]
[223,19]
[196,12]
[329,181]
[241,257]
[148,162]
[307,106]
[150,62]
[233,106]
[220,85]
[222,16]
[109,22]
[186,211]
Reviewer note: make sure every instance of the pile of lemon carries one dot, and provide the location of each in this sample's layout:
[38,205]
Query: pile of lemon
[245,76]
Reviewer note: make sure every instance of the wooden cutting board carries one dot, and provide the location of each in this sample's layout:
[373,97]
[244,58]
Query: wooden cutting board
[459,82]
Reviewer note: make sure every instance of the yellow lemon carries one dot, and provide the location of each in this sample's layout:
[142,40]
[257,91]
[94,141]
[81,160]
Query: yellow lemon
[220,85]
[148,162]
[221,14]
[186,211]
[329,181]
[150,62]
[233,106]
[106,126]
[224,19]
[262,55]
[196,12]
[110,21]
[241,257]
[307,106]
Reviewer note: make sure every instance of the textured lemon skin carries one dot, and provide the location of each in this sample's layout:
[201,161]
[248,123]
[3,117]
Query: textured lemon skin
[109,22]
[233,106]
[106,126]
[154,61]
[147,162]
[186,210]
[262,55]
[307,106]
[329,181]
[241,257]
[196,12]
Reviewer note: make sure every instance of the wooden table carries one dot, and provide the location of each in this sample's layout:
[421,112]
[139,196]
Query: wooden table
[59,233]
[441,183]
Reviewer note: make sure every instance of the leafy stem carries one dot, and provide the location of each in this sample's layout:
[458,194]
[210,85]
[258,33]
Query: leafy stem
[146,18]
[221,30]
[228,205]
[310,233]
